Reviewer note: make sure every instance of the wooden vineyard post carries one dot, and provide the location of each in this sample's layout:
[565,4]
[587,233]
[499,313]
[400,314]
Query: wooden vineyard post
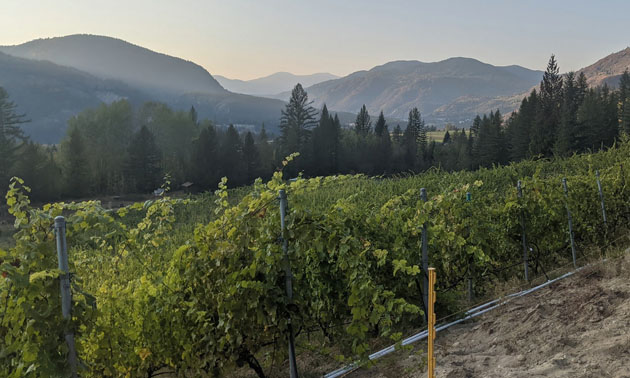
[431,324]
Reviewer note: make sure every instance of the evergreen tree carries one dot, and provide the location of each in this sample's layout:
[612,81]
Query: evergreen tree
[142,167]
[11,137]
[543,132]
[490,148]
[38,170]
[582,87]
[381,125]
[597,121]
[412,139]
[76,168]
[194,117]
[474,129]
[397,134]
[334,144]
[265,150]
[363,124]
[624,102]
[251,158]
[447,138]
[326,144]
[205,169]
[382,157]
[519,126]
[295,124]
[231,157]
[566,137]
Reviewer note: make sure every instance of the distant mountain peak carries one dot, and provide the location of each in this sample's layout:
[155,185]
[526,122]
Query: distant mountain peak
[272,84]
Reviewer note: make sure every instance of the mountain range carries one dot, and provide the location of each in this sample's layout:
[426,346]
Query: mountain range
[273,84]
[452,90]
[54,79]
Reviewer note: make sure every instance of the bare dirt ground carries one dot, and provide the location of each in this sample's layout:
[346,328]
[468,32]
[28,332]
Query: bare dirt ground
[576,327]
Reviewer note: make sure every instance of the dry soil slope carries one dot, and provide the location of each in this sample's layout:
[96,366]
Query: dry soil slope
[609,69]
[577,327]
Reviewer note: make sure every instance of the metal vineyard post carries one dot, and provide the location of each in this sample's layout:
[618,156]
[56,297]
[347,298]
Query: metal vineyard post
[425,258]
[66,296]
[566,194]
[288,281]
[519,188]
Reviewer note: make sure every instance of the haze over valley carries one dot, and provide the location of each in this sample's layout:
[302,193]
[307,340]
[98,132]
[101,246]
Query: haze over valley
[56,78]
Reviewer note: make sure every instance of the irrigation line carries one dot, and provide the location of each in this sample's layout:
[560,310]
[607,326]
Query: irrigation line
[472,313]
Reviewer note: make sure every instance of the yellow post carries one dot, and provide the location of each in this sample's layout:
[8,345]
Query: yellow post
[431,325]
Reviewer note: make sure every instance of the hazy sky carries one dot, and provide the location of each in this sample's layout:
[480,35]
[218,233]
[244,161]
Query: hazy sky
[252,38]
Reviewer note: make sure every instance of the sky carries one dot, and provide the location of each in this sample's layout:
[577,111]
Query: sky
[246,39]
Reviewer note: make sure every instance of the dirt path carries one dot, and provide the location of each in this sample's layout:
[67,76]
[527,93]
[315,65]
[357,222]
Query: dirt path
[577,327]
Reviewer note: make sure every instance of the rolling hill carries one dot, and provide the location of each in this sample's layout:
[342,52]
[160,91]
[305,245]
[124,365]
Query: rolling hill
[272,84]
[50,94]
[111,58]
[54,79]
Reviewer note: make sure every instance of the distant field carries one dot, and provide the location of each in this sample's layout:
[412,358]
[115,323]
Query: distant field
[438,135]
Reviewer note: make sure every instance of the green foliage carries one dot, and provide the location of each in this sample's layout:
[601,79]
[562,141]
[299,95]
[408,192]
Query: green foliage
[11,137]
[196,287]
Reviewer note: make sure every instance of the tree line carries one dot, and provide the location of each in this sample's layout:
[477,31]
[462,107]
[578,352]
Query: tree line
[562,117]
[116,148]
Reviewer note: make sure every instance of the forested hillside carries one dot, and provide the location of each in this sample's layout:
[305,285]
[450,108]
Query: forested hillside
[128,148]
[53,80]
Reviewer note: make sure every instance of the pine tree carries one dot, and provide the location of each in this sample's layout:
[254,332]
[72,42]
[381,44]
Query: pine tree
[397,134]
[411,139]
[75,170]
[296,121]
[543,132]
[474,129]
[565,139]
[204,156]
[231,157]
[142,167]
[194,117]
[251,158]
[447,138]
[363,124]
[326,144]
[265,150]
[519,127]
[380,126]
[11,137]
[597,121]
[582,87]
[381,159]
